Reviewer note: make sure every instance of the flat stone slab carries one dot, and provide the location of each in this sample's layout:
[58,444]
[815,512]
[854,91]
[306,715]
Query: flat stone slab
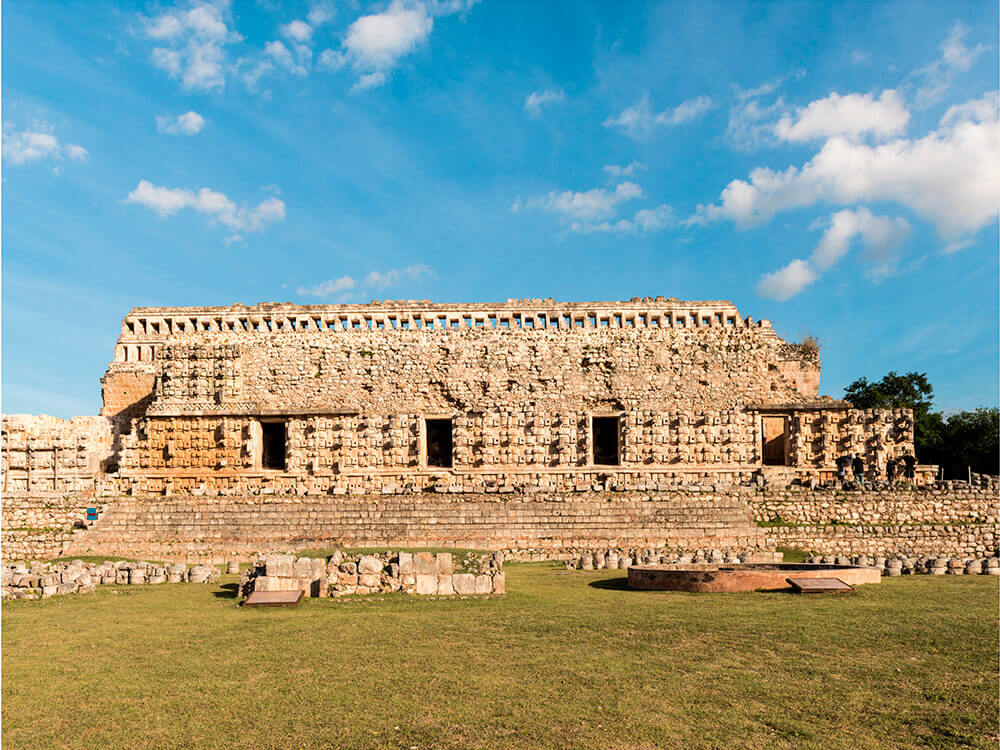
[716,577]
[820,586]
[274,599]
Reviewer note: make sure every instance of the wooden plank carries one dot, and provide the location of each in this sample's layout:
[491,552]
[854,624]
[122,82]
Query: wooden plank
[820,586]
[273,599]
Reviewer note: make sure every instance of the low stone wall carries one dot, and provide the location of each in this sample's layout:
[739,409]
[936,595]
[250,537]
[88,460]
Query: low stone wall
[183,526]
[344,573]
[905,565]
[876,508]
[974,540]
[41,524]
[40,580]
[622,559]
[950,519]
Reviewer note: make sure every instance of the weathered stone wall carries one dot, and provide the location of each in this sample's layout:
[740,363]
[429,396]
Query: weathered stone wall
[346,572]
[928,521]
[41,524]
[183,526]
[869,507]
[47,454]
[969,540]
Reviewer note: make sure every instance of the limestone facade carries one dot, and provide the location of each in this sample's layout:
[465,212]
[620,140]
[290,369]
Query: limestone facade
[352,399]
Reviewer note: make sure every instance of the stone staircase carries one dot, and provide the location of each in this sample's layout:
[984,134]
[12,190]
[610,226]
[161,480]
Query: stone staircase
[186,526]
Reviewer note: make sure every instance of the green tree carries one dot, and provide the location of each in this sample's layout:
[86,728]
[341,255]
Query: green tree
[909,391]
[971,439]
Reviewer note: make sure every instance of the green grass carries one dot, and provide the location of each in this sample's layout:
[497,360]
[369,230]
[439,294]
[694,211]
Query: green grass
[566,659]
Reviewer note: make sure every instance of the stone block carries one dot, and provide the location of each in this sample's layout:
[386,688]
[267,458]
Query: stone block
[500,583]
[424,563]
[279,566]
[445,564]
[369,579]
[444,586]
[427,584]
[464,583]
[484,584]
[369,564]
[405,564]
[302,568]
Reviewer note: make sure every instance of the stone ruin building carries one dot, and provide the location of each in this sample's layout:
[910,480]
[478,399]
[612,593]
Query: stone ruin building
[428,401]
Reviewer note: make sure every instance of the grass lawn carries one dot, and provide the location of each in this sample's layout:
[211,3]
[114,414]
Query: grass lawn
[566,659]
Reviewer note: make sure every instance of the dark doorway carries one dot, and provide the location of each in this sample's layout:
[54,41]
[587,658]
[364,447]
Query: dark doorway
[775,440]
[605,438]
[439,443]
[272,454]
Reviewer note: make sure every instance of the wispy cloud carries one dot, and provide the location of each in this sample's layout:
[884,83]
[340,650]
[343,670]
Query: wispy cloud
[881,237]
[640,119]
[586,205]
[956,57]
[189,123]
[213,204]
[37,144]
[539,100]
[347,287]
[616,172]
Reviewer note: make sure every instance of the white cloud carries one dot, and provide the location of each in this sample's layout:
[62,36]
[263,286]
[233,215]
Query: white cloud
[639,119]
[187,124]
[194,41]
[347,286]
[950,176]
[986,109]
[392,277]
[217,206]
[538,100]
[589,205]
[300,31]
[645,221]
[751,122]
[320,13]
[283,58]
[616,172]
[375,43]
[852,115]
[77,153]
[21,147]
[370,81]
[881,237]
[955,58]
[786,282]
[330,287]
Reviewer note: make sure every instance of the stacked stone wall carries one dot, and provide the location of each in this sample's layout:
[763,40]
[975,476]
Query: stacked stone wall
[47,454]
[40,525]
[929,521]
[184,526]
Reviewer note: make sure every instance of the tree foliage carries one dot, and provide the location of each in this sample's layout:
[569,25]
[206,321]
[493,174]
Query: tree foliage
[962,440]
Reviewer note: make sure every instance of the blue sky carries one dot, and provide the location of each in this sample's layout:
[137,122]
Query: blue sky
[831,167]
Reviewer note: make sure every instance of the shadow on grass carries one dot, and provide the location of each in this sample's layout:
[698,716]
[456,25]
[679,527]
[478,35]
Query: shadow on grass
[614,584]
[227,591]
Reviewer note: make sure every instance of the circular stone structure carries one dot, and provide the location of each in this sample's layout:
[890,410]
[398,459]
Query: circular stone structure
[722,577]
